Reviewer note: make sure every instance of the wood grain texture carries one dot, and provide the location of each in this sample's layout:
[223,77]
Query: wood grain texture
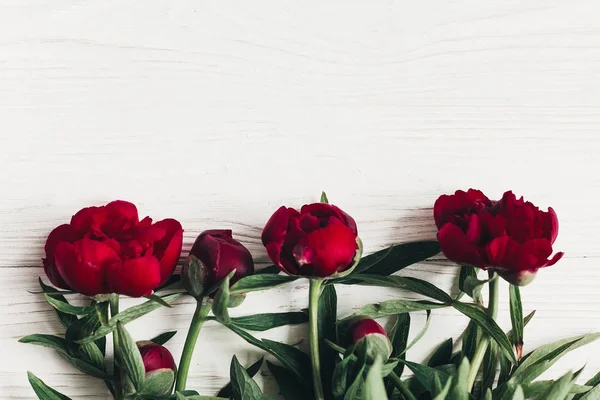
[217,113]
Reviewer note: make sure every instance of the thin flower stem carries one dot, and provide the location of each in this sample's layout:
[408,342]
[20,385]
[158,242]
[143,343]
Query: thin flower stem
[190,343]
[401,386]
[492,311]
[313,315]
[114,310]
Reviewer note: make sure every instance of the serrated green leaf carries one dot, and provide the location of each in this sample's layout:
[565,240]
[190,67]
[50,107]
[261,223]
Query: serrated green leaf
[163,337]
[243,386]
[374,387]
[43,391]
[252,283]
[393,307]
[252,370]
[129,357]
[128,315]
[516,319]
[264,322]
[65,319]
[400,282]
[289,386]
[397,257]
[442,355]
[488,325]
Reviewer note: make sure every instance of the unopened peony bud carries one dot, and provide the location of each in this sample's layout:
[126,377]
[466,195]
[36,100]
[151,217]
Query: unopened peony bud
[517,278]
[160,368]
[373,335]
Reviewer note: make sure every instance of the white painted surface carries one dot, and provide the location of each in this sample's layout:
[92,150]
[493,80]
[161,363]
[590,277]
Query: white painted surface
[217,113]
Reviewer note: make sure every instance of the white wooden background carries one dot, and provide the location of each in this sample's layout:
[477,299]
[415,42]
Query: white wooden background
[216,113]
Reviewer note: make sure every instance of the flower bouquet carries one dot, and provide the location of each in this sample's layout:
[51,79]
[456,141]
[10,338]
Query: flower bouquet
[107,252]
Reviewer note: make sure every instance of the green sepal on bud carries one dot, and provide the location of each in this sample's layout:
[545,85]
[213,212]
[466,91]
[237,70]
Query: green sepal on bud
[193,276]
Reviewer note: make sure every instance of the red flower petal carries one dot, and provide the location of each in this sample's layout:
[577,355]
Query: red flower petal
[554,259]
[363,328]
[553,228]
[83,265]
[135,277]
[457,247]
[156,357]
[62,233]
[324,211]
[120,209]
[327,250]
[447,205]
[88,219]
[168,248]
[506,253]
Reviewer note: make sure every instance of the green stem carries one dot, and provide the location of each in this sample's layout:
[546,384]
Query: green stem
[492,311]
[114,310]
[313,321]
[190,343]
[401,386]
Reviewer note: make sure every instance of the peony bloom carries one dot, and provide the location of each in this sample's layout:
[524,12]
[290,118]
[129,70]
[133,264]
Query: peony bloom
[510,235]
[108,249]
[320,240]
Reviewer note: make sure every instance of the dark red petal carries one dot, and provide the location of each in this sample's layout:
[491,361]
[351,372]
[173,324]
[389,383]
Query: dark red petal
[62,233]
[324,211]
[206,248]
[553,225]
[122,210]
[554,259]
[83,265]
[156,357]
[457,247]
[327,250]
[168,249]
[364,327]
[506,253]
[52,273]
[88,219]
[493,225]
[234,257]
[135,277]
[276,227]
[460,202]
[474,230]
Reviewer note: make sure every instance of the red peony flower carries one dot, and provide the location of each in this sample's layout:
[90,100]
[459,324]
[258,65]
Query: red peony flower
[108,250]
[511,235]
[320,240]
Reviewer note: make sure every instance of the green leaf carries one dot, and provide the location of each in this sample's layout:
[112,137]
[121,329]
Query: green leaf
[443,394]
[159,382]
[398,336]
[466,271]
[221,301]
[65,319]
[374,387]
[180,396]
[324,198]
[490,367]
[516,318]
[460,389]
[50,341]
[442,355]
[157,299]
[426,375]
[252,370]
[518,393]
[472,287]
[488,325]
[271,269]
[595,392]
[394,307]
[236,300]
[327,330]
[130,314]
[356,387]
[264,322]
[538,388]
[289,386]
[243,386]
[400,282]
[542,358]
[470,339]
[504,363]
[488,395]
[163,337]
[252,283]
[561,388]
[67,308]
[397,257]
[293,359]
[129,357]
[43,391]
[421,333]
